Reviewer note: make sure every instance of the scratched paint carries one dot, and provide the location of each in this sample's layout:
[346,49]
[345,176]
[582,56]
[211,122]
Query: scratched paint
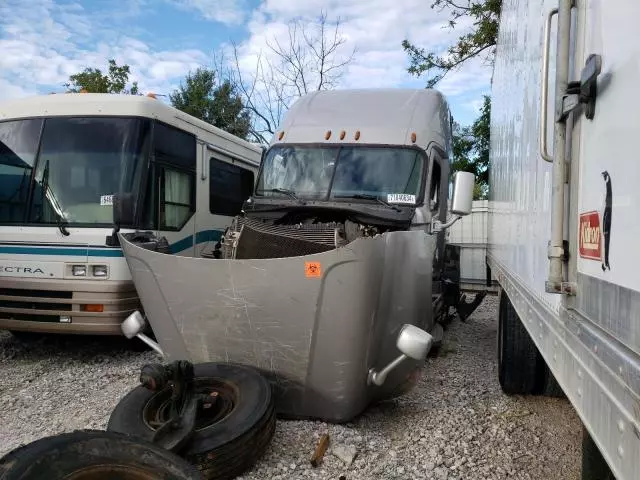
[316,338]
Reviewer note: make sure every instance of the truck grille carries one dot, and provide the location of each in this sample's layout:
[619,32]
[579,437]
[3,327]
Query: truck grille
[262,240]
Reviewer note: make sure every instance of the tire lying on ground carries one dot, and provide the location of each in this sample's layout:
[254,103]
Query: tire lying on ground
[92,454]
[230,436]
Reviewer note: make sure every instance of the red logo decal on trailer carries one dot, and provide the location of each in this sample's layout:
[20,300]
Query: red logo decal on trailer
[590,236]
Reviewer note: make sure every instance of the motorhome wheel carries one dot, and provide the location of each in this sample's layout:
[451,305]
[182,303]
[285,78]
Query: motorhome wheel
[94,455]
[230,435]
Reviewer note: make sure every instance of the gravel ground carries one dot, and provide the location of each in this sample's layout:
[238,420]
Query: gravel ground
[456,424]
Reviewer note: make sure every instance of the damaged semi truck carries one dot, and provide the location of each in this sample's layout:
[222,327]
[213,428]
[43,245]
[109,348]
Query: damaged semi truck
[335,279]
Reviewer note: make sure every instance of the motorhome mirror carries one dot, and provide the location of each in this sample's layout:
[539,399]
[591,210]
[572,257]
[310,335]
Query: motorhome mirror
[414,342]
[123,209]
[462,198]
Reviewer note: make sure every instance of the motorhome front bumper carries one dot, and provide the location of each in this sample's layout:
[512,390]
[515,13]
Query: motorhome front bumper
[65,306]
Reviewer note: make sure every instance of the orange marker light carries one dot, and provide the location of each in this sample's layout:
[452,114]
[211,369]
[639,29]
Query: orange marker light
[152,95]
[327,135]
[96,308]
[357,135]
[342,134]
[280,135]
[413,137]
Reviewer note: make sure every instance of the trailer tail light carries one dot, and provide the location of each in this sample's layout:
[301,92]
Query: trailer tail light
[93,307]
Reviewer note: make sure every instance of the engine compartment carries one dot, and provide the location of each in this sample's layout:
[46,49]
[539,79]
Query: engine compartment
[293,234]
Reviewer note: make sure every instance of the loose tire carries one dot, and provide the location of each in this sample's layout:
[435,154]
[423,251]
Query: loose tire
[517,354]
[594,466]
[94,455]
[229,437]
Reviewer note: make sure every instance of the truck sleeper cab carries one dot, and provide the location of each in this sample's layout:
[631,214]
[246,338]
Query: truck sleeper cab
[325,279]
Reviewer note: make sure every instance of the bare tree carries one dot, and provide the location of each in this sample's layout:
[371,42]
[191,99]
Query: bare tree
[311,58]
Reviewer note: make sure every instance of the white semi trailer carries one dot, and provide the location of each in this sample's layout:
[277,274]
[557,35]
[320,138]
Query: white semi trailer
[563,217]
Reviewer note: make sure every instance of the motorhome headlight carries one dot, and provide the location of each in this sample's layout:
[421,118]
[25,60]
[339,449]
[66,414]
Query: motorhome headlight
[79,270]
[99,270]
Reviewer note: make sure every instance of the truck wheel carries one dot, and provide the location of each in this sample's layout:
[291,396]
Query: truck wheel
[230,436]
[92,454]
[517,354]
[547,384]
[594,466]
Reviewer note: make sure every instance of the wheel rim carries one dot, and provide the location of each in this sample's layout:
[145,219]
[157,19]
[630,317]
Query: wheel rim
[156,410]
[111,472]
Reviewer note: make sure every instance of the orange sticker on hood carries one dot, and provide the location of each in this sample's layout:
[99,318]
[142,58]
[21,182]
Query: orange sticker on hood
[312,269]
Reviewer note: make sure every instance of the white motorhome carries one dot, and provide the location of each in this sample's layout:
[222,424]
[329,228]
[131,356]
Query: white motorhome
[563,215]
[63,157]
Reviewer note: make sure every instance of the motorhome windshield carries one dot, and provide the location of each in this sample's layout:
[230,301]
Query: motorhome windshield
[79,164]
[342,172]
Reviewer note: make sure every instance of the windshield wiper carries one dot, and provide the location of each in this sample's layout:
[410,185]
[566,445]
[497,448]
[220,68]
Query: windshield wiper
[286,191]
[62,225]
[364,196]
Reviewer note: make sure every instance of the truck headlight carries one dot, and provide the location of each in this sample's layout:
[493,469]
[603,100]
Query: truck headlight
[99,270]
[79,270]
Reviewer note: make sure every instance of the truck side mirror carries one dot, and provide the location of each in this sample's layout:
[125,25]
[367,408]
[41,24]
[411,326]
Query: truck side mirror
[462,198]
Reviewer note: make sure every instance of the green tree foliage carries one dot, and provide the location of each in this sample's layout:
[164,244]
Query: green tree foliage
[218,104]
[92,80]
[471,149]
[481,41]
[471,144]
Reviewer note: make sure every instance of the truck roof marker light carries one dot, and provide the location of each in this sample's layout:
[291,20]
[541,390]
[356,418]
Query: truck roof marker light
[357,135]
[327,135]
[152,95]
[342,134]
[413,137]
[280,135]
[83,90]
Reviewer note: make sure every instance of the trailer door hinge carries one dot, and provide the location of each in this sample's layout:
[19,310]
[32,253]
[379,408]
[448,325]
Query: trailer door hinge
[583,91]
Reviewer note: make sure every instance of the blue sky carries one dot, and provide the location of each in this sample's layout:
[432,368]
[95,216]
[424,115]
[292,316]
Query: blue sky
[42,42]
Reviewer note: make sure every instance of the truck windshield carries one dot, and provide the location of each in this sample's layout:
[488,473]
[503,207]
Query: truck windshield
[342,172]
[80,164]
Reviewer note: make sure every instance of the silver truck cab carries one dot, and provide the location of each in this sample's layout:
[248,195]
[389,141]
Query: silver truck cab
[324,282]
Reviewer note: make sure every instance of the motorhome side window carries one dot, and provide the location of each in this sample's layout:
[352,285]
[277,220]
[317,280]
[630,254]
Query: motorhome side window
[175,159]
[229,186]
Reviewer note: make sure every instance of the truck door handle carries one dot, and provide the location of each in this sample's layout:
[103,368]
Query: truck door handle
[545,88]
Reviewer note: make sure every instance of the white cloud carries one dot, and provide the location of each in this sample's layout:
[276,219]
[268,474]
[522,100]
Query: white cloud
[229,12]
[376,28]
[9,90]
[43,43]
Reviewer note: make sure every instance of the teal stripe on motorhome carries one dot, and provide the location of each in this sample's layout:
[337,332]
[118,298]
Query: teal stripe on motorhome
[201,237]
[180,245]
[208,236]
